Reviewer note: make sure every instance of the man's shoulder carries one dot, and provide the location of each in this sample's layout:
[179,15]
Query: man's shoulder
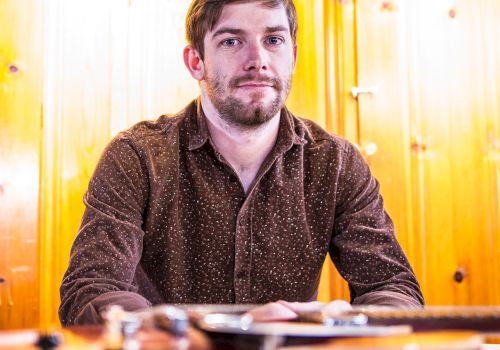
[318,137]
[161,129]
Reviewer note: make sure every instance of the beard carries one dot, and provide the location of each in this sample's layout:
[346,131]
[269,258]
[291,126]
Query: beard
[246,115]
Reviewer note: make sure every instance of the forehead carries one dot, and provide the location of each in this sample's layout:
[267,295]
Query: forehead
[252,16]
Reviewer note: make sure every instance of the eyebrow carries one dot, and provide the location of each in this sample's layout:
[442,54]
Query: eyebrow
[278,28]
[236,31]
[227,30]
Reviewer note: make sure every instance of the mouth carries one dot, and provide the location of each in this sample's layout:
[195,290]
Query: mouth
[255,82]
[255,85]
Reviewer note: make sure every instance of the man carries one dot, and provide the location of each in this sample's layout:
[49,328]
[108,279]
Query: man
[234,199]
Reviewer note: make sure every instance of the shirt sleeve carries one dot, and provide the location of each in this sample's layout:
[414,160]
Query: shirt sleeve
[108,246]
[364,248]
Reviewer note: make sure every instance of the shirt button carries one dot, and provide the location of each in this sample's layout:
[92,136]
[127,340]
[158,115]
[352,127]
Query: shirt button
[233,179]
[240,274]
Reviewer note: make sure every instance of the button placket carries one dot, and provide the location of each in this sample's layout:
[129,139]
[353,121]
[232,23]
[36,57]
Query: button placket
[242,263]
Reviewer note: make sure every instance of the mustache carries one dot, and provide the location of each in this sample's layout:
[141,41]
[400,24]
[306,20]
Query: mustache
[275,83]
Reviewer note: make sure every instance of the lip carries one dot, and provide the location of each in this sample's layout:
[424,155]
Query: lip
[254,85]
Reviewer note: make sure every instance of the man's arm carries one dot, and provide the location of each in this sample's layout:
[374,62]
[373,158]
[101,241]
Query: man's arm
[108,247]
[364,248]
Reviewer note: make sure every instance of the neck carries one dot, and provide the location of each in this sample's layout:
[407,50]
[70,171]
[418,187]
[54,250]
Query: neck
[245,148]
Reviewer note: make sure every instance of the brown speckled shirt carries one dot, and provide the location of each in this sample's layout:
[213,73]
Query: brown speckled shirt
[167,221]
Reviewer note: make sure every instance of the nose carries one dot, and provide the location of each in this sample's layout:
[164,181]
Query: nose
[257,59]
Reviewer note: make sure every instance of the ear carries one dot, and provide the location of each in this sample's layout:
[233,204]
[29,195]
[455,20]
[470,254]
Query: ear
[194,63]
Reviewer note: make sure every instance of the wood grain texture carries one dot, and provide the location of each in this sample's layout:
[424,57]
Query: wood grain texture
[384,132]
[434,119]
[20,121]
[308,96]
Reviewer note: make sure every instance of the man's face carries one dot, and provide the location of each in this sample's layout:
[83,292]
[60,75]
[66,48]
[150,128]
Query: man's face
[248,64]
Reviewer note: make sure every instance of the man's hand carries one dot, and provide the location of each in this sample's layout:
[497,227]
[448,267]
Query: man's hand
[287,311]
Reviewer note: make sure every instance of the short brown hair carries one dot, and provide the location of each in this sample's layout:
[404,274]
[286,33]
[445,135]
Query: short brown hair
[204,14]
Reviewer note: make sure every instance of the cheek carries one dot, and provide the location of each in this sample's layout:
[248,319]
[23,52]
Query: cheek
[215,69]
[284,64]
[286,72]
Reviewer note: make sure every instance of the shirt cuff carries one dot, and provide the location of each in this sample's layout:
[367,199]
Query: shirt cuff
[91,313]
[388,298]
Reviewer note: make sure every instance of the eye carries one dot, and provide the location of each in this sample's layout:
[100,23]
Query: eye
[230,42]
[275,40]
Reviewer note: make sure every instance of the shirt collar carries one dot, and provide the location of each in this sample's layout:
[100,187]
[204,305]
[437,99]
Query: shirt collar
[292,130]
[199,127]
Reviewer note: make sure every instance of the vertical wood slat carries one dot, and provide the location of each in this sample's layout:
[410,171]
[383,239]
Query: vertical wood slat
[383,115]
[344,63]
[342,110]
[434,189]
[490,35]
[20,121]
[307,96]
[73,135]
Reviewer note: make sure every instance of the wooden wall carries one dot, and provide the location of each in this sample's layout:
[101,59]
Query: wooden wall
[20,137]
[74,73]
[430,132]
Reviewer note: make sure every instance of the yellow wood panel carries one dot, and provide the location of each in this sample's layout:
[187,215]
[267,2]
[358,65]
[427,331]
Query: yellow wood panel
[20,120]
[484,105]
[430,170]
[435,121]
[383,115]
[453,185]
[307,97]
[76,130]
[342,110]
[344,63]
[488,104]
